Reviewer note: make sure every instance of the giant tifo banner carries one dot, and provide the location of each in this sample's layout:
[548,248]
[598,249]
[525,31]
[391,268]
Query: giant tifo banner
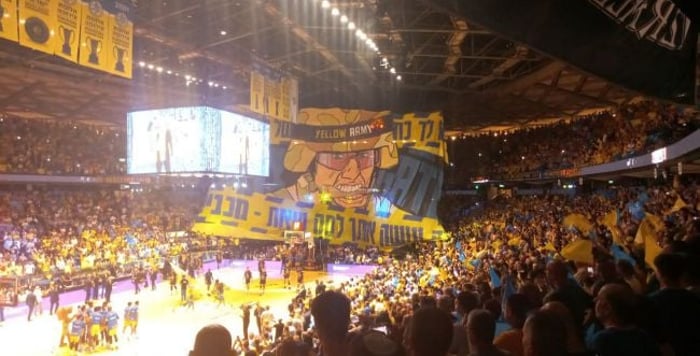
[347,176]
[644,45]
[94,34]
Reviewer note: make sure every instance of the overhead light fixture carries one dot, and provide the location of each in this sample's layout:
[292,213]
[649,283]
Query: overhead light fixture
[398,77]
[159,69]
[351,26]
[335,11]
[223,33]
[392,70]
[142,64]
[343,19]
[325,4]
[151,66]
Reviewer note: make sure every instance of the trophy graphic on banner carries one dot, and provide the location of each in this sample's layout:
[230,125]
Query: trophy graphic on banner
[66,34]
[95,48]
[119,54]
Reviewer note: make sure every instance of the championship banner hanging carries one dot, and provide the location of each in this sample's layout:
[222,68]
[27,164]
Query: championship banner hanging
[94,36]
[256,92]
[37,23]
[8,20]
[273,94]
[343,176]
[121,35]
[68,29]
[645,45]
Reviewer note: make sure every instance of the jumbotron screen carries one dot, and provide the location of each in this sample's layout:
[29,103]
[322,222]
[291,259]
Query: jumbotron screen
[196,139]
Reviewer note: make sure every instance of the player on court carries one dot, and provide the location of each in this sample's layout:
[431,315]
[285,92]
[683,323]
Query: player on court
[112,325]
[247,275]
[263,281]
[95,331]
[77,330]
[287,273]
[300,277]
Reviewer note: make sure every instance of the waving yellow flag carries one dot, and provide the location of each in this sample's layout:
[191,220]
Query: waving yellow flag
[579,251]
[578,221]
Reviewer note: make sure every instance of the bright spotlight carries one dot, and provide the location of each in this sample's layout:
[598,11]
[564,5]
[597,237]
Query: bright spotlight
[142,64]
[392,70]
[325,4]
[398,77]
[351,26]
[343,19]
[335,11]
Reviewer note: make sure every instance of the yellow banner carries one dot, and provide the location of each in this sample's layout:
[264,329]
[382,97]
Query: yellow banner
[94,37]
[37,23]
[120,55]
[274,96]
[275,100]
[9,20]
[266,217]
[269,89]
[68,19]
[420,132]
[257,92]
[285,100]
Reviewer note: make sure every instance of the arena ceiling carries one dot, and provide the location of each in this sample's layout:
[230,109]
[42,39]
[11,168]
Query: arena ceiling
[476,77]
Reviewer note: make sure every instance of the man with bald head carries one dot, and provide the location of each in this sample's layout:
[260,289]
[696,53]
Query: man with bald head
[213,340]
[481,328]
[565,290]
[615,307]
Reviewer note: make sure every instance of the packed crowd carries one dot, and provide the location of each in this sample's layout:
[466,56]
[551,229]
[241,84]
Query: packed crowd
[54,232]
[599,138]
[59,234]
[507,284]
[44,147]
[48,147]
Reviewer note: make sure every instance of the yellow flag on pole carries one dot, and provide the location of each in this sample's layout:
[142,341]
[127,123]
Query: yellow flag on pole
[578,221]
[579,251]
[680,204]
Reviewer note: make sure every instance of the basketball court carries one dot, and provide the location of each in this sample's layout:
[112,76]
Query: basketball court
[165,326]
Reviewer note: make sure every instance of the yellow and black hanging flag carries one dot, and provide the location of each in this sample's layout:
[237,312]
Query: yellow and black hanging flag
[121,33]
[94,36]
[37,23]
[67,40]
[8,20]
[257,92]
